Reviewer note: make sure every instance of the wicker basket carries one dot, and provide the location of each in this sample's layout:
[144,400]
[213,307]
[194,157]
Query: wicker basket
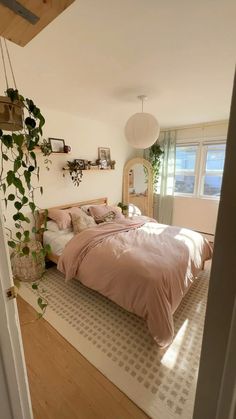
[27,268]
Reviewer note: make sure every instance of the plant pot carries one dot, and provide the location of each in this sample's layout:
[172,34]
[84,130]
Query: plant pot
[28,268]
[11,114]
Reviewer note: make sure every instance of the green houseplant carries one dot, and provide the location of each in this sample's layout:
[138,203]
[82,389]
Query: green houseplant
[18,172]
[155,154]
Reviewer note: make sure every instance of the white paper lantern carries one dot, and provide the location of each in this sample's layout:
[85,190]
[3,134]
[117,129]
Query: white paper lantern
[142,130]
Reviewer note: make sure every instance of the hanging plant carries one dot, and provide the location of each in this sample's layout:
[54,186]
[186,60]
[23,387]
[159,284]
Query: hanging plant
[155,157]
[18,172]
[75,171]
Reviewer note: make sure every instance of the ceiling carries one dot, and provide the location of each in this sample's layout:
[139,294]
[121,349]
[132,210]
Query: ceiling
[98,56]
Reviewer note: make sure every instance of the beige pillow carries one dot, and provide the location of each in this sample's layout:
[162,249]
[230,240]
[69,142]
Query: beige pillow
[61,217]
[80,220]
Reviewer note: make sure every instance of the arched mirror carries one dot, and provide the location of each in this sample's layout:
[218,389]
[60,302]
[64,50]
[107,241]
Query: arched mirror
[138,186]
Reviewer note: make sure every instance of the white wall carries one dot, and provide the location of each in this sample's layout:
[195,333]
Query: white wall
[195,213]
[198,214]
[84,136]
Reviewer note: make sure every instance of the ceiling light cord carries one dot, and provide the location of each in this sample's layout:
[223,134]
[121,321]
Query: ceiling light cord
[4,63]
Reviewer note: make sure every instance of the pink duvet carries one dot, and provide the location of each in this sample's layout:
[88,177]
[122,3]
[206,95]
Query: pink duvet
[145,267]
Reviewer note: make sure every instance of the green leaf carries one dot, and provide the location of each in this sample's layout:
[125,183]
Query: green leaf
[21,216]
[18,184]
[35,286]
[10,177]
[47,248]
[24,200]
[25,250]
[12,244]
[34,230]
[7,140]
[4,188]
[32,206]
[41,190]
[34,254]
[27,176]
[18,139]
[4,156]
[11,197]
[17,165]
[27,220]
[18,205]
[31,168]
[17,225]
[41,304]
[18,235]
[26,233]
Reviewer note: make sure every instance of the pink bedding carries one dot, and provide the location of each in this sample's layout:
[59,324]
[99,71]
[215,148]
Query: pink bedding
[143,266]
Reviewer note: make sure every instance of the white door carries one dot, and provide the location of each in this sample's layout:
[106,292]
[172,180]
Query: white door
[15,398]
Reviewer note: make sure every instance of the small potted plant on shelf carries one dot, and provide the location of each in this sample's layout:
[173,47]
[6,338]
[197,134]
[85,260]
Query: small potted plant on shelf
[75,171]
[124,208]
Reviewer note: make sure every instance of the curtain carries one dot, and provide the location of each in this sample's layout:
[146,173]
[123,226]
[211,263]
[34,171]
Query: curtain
[163,199]
[167,178]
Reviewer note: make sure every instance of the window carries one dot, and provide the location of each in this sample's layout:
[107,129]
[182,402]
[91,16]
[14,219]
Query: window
[199,169]
[185,167]
[213,169]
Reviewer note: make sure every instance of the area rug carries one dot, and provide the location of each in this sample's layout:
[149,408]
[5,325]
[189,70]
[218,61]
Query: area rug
[161,382]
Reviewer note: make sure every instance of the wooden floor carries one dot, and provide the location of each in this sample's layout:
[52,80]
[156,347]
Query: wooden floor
[63,384]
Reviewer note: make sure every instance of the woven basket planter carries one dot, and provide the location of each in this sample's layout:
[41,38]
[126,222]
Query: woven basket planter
[27,268]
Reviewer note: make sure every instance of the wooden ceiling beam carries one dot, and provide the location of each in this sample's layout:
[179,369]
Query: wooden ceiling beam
[18,30]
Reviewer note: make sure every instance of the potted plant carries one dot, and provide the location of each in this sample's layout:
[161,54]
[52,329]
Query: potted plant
[18,171]
[124,208]
[74,168]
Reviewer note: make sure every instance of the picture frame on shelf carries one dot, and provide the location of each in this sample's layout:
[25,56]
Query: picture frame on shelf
[57,145]
[104,153]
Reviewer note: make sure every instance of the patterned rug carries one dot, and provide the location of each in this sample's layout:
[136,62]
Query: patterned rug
[161,382]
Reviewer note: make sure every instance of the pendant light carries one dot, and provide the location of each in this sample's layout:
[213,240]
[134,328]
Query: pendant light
[142,129]
[11,112]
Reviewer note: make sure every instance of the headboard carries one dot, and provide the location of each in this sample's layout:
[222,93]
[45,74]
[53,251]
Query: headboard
[42,214]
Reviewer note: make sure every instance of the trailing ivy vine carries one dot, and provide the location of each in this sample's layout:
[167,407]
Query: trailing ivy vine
[18,172]
[155,154]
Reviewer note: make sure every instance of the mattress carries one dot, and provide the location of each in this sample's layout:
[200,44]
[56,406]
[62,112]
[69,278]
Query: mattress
[57,241]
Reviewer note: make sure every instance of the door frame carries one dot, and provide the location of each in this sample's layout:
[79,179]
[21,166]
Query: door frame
[11,346]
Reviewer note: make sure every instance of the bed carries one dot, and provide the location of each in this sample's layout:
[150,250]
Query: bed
[143,266]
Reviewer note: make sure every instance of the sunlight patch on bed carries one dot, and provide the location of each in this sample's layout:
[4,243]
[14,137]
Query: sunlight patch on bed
[171,356]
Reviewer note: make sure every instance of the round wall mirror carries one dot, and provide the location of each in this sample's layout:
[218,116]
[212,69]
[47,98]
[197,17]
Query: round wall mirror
[138,185]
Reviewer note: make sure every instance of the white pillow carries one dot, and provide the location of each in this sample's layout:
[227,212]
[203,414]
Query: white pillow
[52,226]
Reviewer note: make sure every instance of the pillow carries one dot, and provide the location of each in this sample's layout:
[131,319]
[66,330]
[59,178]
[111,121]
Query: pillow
[102,213]
[62,218]
[85,208]
[80,220]
[52,226]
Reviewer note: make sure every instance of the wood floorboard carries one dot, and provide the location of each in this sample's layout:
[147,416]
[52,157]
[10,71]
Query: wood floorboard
[63,384]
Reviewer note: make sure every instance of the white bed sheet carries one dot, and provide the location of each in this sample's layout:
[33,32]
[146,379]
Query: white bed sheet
[57,241]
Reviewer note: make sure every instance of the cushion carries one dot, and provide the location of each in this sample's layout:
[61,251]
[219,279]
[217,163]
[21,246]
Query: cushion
[85,208]
[80,220]
[61,217]
[52,226]
[102,213]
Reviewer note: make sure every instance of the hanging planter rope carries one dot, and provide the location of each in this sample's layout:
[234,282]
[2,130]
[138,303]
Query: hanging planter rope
[11,111]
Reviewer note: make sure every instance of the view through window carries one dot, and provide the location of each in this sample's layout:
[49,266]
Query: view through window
[199,169]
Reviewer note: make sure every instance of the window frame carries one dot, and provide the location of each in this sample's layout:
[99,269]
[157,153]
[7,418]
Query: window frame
[204,172]
[186,172]
[200,167]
